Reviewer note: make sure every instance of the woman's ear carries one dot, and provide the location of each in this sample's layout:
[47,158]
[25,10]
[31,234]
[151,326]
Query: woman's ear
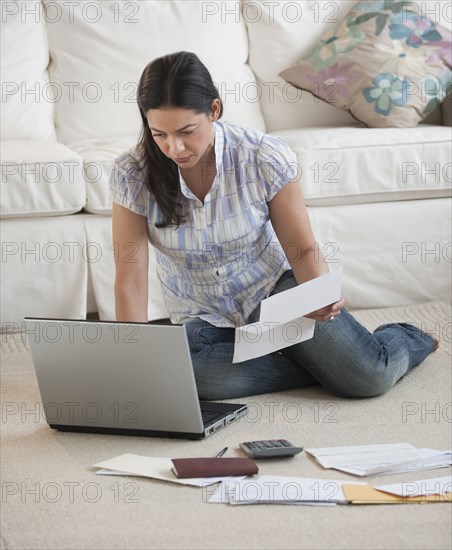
[215,110]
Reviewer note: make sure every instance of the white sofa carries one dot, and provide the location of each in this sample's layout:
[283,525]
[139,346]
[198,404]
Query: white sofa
[378,199]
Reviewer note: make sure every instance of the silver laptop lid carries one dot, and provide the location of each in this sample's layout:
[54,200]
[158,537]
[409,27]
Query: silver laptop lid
[114,375]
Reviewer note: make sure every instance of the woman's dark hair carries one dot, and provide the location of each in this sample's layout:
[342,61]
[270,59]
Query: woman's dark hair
[176,80]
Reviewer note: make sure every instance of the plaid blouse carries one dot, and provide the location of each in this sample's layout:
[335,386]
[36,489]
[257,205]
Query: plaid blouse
[225,258]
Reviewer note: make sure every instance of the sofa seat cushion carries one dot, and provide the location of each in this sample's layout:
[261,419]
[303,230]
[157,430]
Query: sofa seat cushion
[40,178]
[351,164]
[44,269]
[392,253]
[98,158]
[101,271]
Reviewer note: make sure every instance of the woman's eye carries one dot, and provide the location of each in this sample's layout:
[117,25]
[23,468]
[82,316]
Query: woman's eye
[187,133]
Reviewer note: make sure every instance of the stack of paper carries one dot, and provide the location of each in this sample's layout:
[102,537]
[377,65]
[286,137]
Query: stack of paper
[155,467]
[365,460]
[282,490]
[330,492]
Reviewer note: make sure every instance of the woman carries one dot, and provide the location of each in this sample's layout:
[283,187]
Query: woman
[204,192]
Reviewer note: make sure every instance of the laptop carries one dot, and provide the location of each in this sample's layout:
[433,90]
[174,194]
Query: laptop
[121,378]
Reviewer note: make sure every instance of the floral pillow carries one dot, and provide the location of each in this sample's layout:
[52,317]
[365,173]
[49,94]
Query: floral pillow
[385,63]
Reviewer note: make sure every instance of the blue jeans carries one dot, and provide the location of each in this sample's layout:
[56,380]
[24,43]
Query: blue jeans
[343,356]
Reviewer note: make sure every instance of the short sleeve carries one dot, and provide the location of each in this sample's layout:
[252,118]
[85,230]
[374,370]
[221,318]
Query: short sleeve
[127,186]
[276,165]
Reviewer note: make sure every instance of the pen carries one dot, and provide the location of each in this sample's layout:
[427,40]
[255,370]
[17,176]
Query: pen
[221,453]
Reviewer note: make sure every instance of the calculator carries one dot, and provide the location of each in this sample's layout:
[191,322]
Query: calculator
[270,448]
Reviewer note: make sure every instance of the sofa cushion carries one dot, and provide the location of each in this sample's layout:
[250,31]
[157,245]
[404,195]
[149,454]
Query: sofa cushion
[27,97]
[103,47]
[280,32]
[98,158]
[40,178]
[44,268]
[351,164]
[385,65]
[101,272]
[398,252]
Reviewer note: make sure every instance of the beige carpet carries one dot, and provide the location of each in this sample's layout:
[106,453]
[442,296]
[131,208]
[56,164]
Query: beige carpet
[51,497]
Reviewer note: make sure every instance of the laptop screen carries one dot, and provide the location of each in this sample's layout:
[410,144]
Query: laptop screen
[104,374]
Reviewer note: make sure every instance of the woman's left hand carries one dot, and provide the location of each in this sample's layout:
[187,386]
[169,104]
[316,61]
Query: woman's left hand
[327,313]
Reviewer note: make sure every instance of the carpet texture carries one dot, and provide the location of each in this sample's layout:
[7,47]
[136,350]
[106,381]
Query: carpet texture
[51,497]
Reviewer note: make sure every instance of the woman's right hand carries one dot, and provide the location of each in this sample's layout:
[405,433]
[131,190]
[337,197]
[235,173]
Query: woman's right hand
[327,313]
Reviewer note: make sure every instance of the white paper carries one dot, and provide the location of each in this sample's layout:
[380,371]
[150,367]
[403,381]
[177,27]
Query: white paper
[282,322]
[107,472]
[154,467]
[261,338]
[371,460]
[331,457]
[380,459]
[282,490]
[296,302]
[421,487]
[348,449]
[430,460]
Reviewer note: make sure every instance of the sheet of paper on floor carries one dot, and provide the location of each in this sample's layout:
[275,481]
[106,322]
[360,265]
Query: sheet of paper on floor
[433,486]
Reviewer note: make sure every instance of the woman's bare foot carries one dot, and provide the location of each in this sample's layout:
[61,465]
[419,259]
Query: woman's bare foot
[435,339]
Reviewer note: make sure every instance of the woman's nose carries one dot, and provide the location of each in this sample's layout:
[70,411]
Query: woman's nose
[175,146]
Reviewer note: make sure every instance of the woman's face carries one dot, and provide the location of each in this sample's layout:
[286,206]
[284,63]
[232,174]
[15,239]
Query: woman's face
[183,135]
